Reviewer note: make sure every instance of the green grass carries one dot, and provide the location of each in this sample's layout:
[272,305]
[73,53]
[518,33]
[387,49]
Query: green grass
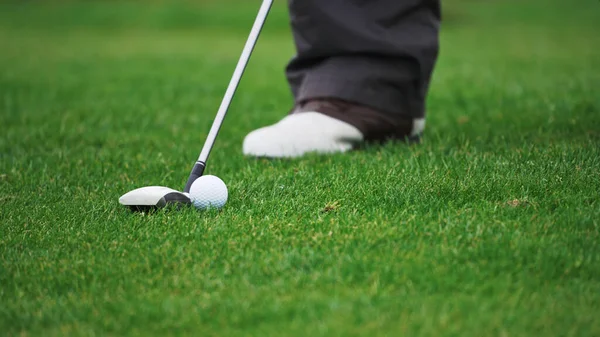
[488,228]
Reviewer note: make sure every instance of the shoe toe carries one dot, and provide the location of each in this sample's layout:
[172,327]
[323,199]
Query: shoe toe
[261,143]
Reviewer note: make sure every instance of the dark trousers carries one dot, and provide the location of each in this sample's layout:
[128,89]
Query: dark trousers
[378,53]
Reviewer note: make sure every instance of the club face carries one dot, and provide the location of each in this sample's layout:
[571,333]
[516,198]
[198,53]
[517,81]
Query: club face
[150,198]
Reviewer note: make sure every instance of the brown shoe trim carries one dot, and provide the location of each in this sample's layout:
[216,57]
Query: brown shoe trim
[375,126]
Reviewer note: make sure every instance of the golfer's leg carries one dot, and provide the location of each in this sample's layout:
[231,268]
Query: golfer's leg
[380,53]
[362,71]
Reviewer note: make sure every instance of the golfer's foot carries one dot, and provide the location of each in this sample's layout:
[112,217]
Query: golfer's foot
[328,126]
[300,133]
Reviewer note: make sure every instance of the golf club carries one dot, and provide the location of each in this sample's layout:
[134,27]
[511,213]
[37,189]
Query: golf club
[152,197]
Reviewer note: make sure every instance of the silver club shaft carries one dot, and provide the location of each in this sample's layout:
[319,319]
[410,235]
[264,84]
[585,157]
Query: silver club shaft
[235,79]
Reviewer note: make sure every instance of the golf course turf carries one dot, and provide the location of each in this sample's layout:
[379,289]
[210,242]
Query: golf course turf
[489,227]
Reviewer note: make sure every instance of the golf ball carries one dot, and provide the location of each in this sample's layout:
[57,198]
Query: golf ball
[208,192]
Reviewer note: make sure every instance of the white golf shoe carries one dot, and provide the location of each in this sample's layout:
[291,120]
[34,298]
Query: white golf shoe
[302,133]
[330,126]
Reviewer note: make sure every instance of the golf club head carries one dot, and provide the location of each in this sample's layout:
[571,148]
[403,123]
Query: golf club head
[154,197]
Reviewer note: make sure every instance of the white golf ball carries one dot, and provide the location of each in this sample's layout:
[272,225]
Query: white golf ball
[208,192]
